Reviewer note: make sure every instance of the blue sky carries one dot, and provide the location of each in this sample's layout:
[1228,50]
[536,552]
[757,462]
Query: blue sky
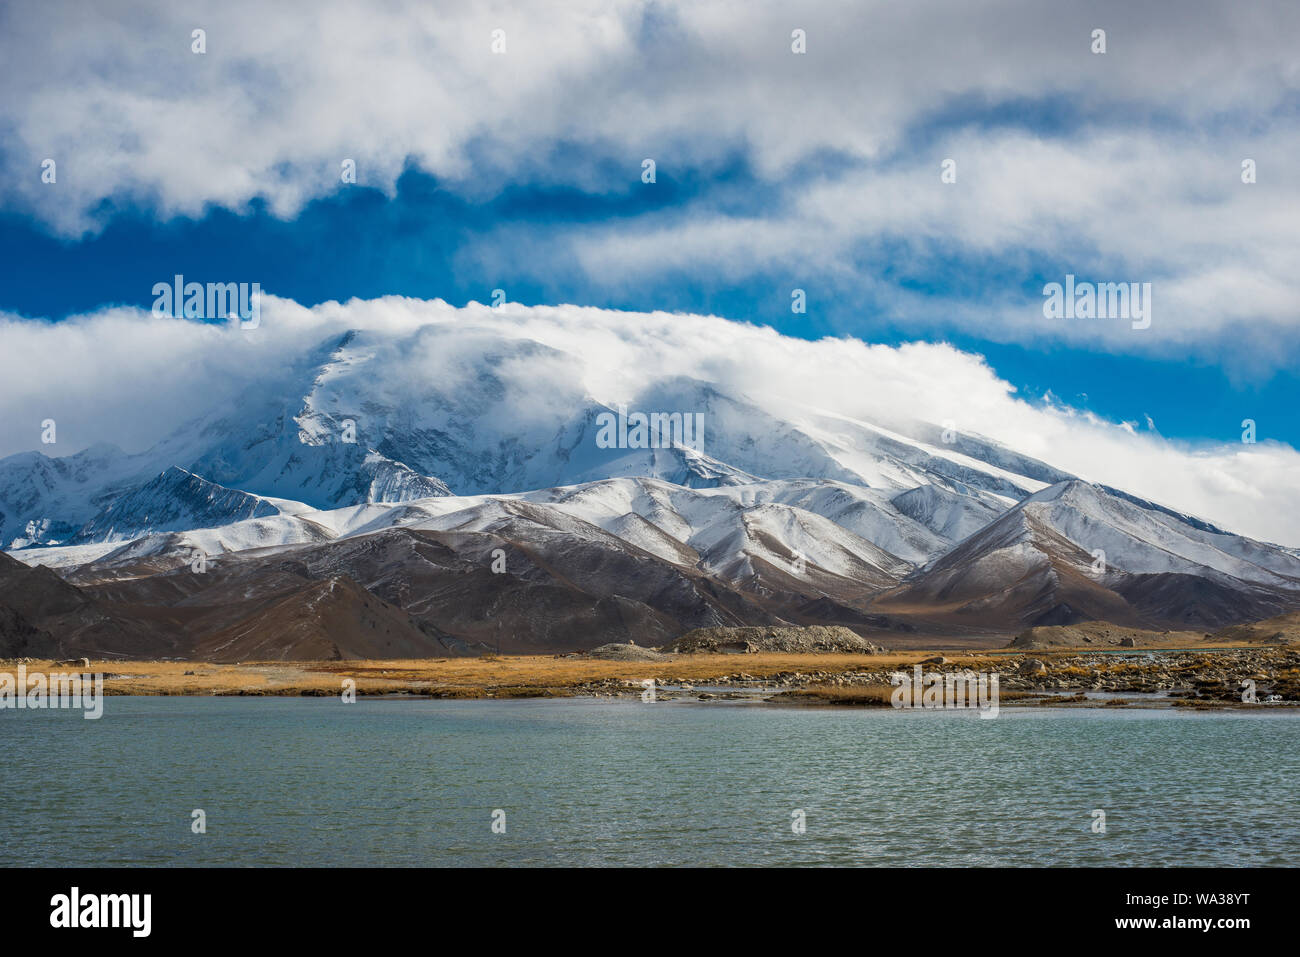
[520,169]
[362,243]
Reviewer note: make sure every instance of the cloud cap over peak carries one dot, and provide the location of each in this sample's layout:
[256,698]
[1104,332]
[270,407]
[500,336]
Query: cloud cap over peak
[127,377]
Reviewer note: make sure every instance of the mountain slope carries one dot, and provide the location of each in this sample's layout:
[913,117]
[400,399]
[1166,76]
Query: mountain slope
[468,478]
[173,501]
[333,620]
[1075,551]
[357,421]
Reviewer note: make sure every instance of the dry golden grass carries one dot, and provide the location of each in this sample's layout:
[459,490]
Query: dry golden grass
[537,671]
[553,675]
[515,676]
[1074,671]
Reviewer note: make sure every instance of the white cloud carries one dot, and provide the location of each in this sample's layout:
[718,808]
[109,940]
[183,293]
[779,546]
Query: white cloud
[126,377]
[1107,208]
[1146,184]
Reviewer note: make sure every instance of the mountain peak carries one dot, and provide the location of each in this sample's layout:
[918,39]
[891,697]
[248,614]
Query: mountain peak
[175,500]
[1071,490]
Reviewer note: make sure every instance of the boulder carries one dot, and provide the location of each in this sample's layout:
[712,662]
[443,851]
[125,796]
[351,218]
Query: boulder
[1031,666]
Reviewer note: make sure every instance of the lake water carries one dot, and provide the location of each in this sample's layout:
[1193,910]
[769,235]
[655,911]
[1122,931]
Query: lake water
[585,782]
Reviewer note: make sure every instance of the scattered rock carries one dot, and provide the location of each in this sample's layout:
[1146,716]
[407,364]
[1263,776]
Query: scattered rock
[1100,633]
[812,639]
[626,652]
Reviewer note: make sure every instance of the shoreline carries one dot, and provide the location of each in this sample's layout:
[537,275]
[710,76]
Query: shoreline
[1064,677]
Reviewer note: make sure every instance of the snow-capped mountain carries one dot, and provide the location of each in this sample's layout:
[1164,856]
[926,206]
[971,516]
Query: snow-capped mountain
[355,422]
[774,511]
[173,501]
[1075,550]
[45,499]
